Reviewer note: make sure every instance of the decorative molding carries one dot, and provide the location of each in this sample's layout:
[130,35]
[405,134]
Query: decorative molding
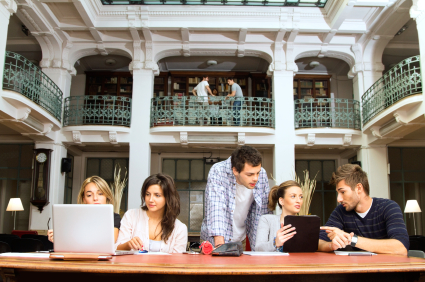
[76,137]
[25,114]
[241,138]
[186,49]
[10,5]
[102,49]
[399,118]
[347,139]
[241,50]
[184,138]
[311,139]
[375,131]
[113,137]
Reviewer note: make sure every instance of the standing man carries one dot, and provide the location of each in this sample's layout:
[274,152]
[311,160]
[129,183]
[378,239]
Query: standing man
[371,224]
[237,93]
[235,198]
[202,89]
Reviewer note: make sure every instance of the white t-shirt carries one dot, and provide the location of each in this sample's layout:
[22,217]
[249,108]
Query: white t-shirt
[363,214]
[200,88]
[243,201]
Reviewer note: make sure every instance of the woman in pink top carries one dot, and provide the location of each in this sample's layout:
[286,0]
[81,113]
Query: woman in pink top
[154,227]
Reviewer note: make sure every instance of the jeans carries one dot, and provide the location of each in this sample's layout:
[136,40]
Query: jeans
[236,111]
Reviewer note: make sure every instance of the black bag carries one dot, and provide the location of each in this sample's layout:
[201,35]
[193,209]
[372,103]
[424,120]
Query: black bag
[233,249]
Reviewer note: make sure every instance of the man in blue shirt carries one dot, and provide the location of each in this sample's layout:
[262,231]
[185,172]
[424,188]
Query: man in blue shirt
[371,224]
[235,198]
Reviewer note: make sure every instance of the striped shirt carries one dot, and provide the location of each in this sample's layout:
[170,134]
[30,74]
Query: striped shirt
[220,204]
[383,221]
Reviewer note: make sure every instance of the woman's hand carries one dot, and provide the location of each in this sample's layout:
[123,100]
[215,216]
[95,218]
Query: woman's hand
[50,235]
[136,244]
[284,234]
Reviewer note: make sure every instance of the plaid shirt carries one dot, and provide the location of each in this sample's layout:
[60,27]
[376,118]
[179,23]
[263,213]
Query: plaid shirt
[220,196]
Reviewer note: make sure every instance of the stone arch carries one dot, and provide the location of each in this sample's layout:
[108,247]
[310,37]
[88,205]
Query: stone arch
[344,56]
[79,53]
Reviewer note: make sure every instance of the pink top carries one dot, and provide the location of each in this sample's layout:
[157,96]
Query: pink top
[136,223]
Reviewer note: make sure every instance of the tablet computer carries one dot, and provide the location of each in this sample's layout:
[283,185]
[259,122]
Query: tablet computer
[307,238]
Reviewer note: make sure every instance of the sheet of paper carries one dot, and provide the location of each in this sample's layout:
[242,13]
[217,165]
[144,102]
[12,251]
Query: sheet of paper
[265,254]
[342,253]
[26,255]
[152,253]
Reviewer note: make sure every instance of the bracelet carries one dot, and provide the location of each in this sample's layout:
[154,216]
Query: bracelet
[330,245]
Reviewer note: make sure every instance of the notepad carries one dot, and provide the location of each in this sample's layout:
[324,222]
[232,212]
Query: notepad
[265,254]
[342,253]
[25,255]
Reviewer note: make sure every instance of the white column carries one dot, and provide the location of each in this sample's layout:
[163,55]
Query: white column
[61,77]
[417,12]
[284,149]
[6,9]
[373,159]
[38,221]
[140,152]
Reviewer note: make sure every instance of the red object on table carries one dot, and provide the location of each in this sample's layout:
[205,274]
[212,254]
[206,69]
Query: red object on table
[206,248]
[22,232]
[248,246]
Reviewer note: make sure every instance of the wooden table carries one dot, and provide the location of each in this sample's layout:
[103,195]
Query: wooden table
[295,267]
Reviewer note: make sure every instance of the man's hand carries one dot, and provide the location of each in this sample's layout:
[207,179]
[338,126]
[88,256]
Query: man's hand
[340,239]
[50,235]
[284,234]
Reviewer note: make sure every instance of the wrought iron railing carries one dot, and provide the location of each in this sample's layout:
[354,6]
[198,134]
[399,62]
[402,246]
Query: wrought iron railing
[327,112]
[97,110]
[22,76]
[402,80]
[212,111]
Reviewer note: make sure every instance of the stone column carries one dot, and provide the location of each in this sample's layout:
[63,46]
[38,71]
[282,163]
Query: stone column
[284,149]
[140,152]
[417,12]
[7,8]
[38,221]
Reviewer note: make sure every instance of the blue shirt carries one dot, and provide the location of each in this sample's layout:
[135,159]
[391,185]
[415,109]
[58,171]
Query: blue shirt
[383,221]
[220,196]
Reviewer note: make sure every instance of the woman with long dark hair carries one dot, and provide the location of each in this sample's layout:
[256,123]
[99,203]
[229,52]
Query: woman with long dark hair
[154,227]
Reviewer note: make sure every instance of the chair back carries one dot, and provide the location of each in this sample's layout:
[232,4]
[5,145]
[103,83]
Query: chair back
[8,238]
[44,239]
[26,245]
[5,248]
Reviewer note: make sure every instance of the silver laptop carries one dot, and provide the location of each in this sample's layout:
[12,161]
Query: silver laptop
[84,229]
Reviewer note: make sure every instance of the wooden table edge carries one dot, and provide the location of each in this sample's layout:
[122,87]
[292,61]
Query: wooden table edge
[180,269]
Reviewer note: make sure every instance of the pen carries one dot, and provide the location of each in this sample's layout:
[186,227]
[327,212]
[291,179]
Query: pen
[143,252]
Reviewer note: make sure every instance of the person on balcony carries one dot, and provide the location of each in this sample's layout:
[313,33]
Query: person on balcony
[237,103]
[236,196]
[202,90]
[215,109]
[154,227]
[360,221]
[271,234]
[95,191]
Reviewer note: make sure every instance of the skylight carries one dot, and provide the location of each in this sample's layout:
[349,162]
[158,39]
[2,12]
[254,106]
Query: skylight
[297,3]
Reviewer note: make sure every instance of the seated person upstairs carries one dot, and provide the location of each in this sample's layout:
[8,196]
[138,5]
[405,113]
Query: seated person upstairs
[371,224]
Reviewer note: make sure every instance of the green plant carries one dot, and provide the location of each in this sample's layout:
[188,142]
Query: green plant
[118,186]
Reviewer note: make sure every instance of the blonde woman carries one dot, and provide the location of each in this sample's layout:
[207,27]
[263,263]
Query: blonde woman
[95,191]
[271,234]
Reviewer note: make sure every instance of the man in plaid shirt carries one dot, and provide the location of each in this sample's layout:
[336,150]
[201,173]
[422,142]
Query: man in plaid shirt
[235,198]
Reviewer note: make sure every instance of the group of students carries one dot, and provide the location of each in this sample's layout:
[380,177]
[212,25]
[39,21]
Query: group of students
[239,204]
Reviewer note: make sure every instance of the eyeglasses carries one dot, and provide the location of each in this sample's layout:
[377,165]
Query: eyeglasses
[192,248]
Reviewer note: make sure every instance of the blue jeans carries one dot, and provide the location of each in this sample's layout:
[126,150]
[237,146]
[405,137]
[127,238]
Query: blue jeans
[236,111]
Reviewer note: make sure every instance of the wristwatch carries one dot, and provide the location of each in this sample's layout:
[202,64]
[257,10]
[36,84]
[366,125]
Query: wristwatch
[274,244]
[354,240]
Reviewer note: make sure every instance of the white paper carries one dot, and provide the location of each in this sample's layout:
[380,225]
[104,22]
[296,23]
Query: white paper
[341,253]
[26,255]
[152,253]
[265,254]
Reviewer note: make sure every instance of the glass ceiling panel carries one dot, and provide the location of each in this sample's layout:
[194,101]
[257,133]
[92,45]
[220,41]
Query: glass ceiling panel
[299,3]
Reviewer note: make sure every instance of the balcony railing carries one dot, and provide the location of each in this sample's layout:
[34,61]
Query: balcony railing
[327,112]
[22,76]
[212,111]
[97,110]
[401,81]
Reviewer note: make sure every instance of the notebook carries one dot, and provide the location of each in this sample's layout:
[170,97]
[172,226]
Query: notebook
[84,229]
[307,238]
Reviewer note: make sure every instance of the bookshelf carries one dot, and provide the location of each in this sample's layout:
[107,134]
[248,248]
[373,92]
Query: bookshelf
[261,85]
[109,83]
[160,85]
[308,86]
